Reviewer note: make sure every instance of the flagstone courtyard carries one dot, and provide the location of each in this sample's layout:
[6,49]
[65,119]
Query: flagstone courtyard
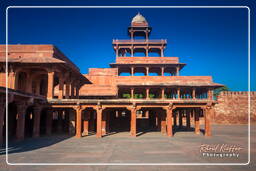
[149,147]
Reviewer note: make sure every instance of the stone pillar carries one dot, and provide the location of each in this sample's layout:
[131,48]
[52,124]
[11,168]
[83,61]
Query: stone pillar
[21,112]
[163,123]
[61,86]
[132,93]
[2,109]
[99,122]
[132,51]
[162,52]
[78,122]
[194,93]
[197,126]
[207,116]
[50,90]
[49,122]
[132,71]
[162,93]
[188,118]
[103,123]
[177,71]
[169,121]
[162,71]
[146,51]
[12,79]
[178,93]
[36,126]
[147,71]
[133,129]
[147,93]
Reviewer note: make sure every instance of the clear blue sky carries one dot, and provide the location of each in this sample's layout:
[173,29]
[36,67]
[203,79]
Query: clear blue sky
[210,41]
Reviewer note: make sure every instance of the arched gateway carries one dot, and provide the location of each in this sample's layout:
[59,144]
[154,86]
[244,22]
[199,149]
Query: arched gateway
[48,94]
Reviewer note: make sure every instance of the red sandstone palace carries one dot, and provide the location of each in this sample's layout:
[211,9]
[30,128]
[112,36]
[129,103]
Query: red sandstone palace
[48,94]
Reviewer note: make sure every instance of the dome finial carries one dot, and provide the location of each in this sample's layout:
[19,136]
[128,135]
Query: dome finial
[139,19]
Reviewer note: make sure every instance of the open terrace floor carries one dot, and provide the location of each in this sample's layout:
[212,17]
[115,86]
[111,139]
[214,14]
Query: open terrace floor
[149,147]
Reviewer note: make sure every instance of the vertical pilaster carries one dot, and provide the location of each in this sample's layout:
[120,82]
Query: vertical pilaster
[169,121]
[147,93]
[78,122]
[177,71]
[132,71]
[147,71]
[50,90]
[194,93]
[133,129]
[99,122]
[162,71]
[132,93]
[162,93]
[207,116]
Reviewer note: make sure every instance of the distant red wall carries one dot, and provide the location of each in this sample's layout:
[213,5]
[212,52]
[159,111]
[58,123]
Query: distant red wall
[232,108]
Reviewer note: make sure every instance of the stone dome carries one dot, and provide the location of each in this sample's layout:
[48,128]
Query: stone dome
[139,19]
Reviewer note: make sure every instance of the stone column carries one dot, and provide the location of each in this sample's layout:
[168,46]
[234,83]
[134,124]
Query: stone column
[103,123]
[162,93]
[99,122]
[36,126]
[178,93]
[194,93]
[147,71]
[21,112]
[50,90]
[162,71]
[163,123]
[2,109]
[207,116]
[133,129]
[49,122]
[197,126]
[132,70]
[78,110]
[61,86]
[132,93]
[162,52]
[169,121]
[12,79]
[177,71]
[147,93]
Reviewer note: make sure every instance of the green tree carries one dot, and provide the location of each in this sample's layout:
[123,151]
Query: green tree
[217,91]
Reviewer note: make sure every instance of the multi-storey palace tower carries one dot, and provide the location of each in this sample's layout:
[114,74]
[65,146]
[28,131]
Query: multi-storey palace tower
[142,90]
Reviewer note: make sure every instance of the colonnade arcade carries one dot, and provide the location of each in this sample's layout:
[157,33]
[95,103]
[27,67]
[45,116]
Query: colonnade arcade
[165,93]
[149,70]
[44,81]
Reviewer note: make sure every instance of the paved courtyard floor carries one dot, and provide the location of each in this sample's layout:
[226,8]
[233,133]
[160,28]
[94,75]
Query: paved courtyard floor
[150,147]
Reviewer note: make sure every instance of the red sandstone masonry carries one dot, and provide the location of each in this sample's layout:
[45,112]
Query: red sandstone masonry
[232,108]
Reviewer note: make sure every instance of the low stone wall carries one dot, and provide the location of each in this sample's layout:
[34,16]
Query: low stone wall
[232,108]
